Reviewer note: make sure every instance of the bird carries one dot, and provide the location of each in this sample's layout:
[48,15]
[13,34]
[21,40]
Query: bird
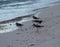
[35,17]
[37,26]
[38,21]
[19,24]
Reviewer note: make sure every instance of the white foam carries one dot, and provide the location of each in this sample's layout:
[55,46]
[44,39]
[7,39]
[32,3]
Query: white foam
[12,27]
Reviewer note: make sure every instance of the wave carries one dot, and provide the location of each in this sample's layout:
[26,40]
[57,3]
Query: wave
[21,9]
[10,1]
[15,19]
[15,4]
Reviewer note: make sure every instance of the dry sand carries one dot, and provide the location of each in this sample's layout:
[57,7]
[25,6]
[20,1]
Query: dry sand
[48,36]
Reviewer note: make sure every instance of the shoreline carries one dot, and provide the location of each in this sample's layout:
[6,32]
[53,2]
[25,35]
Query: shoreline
[15,19]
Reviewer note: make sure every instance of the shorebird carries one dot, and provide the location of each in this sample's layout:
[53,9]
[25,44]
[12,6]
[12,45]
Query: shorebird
[19,25]
[37,26]
[35,17]
[38,21]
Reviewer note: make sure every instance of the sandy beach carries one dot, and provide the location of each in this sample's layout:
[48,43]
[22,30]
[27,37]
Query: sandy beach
[48,36]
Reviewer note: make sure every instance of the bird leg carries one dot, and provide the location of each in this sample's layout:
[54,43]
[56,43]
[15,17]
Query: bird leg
[37,30]
[21,28]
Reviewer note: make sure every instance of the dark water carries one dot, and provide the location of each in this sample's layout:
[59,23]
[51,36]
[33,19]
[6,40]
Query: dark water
[11,1]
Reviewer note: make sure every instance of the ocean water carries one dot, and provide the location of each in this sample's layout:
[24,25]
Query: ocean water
[10,9]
